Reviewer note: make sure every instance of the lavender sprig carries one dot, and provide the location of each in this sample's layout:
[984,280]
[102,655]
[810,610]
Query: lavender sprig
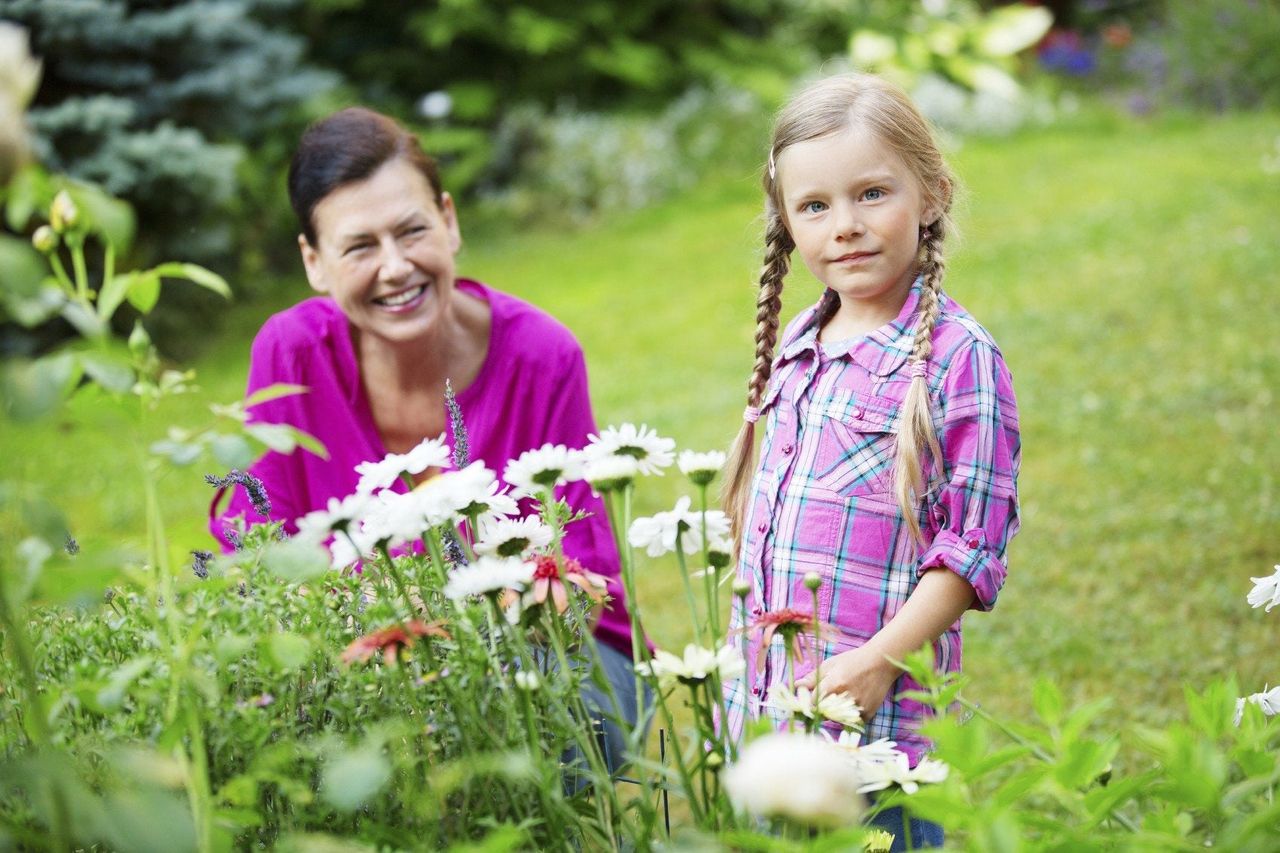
[200,563]
[453,553]
[252,485]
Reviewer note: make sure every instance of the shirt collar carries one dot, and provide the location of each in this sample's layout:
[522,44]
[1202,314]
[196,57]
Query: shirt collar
[882,351]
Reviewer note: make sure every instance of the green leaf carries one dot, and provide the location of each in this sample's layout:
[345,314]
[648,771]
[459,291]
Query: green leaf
[83,319]
[113,292]
[231,647]
[353,777]
[144,291]
[287,651]
[109,368]
[296,560]
[274,392]
[1014,28]
[232,451]
[283,438]
[22,268]
[28,191]
[112,696]
[32,389]
[1047,700]
[196,275]
[110,218]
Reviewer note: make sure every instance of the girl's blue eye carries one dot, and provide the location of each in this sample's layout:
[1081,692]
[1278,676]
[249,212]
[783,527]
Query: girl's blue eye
[814,207]
[873,194]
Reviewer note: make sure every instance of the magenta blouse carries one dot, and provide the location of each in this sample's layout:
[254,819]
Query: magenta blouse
[531,389]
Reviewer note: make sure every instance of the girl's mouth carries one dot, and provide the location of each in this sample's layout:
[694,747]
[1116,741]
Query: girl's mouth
[402,299]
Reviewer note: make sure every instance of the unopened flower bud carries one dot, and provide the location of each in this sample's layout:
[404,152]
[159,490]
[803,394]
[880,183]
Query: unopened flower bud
[45,239]
[714,761]
[741,588]
[63,213]
[812,580]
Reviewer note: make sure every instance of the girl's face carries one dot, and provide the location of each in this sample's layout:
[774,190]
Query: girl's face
[385,252]
[854,210]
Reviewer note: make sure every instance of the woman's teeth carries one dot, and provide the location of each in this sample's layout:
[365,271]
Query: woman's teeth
[403,298]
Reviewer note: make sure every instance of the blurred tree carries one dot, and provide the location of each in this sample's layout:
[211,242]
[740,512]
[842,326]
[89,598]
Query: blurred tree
[157,101]
[458,66]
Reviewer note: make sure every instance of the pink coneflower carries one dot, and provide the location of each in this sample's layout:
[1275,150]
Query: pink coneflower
[549,579]
[391,640]
[793,625]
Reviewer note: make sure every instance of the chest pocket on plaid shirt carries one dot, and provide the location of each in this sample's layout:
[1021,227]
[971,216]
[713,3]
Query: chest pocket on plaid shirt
[857,446]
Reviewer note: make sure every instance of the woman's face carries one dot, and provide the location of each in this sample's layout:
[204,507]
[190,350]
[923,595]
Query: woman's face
[385,252]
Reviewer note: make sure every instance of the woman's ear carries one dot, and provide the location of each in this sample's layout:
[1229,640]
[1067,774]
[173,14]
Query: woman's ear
[311,263]
[449,213]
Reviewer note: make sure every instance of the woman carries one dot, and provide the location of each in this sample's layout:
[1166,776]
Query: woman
[393,323]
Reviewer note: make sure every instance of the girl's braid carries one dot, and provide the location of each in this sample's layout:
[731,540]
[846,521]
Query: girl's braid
[777,263]
[741,462]
[915,430]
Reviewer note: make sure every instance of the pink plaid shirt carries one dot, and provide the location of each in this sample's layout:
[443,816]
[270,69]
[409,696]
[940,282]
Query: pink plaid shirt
[822,498]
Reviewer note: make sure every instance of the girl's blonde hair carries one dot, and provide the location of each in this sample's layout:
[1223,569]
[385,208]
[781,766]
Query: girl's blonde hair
[826,107]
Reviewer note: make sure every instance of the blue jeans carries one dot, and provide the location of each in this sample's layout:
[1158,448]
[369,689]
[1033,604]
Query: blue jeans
[923,833]
[612,738]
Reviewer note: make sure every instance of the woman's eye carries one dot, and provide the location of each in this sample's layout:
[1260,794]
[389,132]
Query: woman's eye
[355,248]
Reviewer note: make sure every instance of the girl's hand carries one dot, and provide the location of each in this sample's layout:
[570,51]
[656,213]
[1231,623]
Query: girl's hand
[862,673]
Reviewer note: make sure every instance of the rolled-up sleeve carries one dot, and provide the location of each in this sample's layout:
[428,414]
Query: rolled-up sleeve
[974,512]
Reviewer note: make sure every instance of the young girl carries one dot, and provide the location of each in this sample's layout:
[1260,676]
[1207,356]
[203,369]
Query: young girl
[890,458]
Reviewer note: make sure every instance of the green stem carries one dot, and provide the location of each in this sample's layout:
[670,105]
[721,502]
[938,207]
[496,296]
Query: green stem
[710,586]
[688,587]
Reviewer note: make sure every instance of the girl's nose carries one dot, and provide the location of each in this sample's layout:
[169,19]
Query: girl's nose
[846,221]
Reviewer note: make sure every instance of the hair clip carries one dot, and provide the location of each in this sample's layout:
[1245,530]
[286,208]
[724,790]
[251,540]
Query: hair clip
[919,367]
[751,414]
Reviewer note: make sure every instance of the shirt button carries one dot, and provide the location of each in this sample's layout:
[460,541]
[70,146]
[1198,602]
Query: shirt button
[974,543]
[788,449]
[856,412]
[761,527]
[756,611]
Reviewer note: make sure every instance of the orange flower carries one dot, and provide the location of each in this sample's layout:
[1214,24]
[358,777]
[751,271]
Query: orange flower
[391,640]
[549,579]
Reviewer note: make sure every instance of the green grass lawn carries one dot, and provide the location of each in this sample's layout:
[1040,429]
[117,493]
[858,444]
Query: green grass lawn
[1128,271]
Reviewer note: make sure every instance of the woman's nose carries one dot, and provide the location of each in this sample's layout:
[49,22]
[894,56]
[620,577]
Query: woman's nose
[395,265]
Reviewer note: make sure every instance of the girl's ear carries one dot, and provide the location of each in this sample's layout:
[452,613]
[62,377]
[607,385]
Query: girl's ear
[311,263]
[934,212]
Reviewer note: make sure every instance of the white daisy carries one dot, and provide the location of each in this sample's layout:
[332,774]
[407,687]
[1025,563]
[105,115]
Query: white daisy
[338,515]
[701,468]
[1266,591]
[486,575]
[350,546]
[800,777]
[431,453]
[513,537]
[394,518]
[836,707]
[897,770]
[657,535]
[549,466]
[696,666]
[527,680]
[608,473]
[1267,700]
[651,452]
[472,491]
